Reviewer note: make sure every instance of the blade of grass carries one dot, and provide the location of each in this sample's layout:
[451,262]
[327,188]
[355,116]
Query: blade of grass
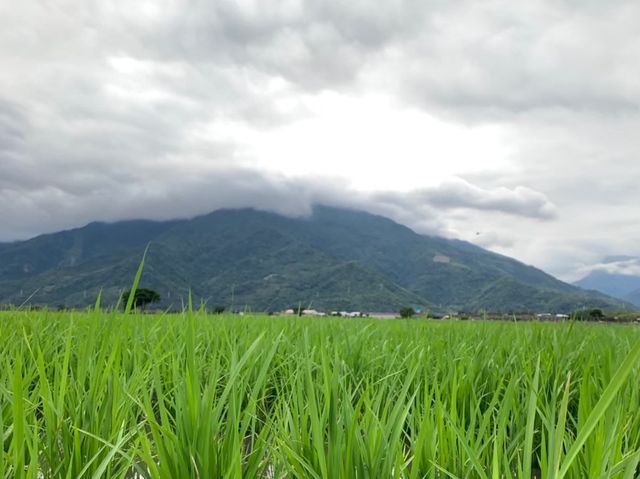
[600,408]
[558,438]
[136,282]
[632,466]
[531,421]
[96,307]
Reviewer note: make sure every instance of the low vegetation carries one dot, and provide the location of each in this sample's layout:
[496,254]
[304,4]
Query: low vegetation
[196,395]
[141,297]
[407,312]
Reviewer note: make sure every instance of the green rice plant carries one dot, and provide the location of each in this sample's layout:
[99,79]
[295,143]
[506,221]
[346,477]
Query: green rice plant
[136,282]
[106,394]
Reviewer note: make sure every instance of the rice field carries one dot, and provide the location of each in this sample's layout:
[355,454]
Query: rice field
[109,395]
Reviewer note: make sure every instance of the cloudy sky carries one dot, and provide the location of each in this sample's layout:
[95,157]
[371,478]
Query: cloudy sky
[514,125]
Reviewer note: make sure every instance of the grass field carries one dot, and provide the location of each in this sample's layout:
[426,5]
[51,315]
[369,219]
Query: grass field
[200,396]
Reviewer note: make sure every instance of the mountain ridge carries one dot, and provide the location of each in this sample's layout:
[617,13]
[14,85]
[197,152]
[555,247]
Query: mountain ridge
[333,259]
[618,285]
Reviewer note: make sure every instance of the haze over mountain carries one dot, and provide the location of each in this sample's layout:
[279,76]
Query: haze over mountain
[333,259]
[617,276]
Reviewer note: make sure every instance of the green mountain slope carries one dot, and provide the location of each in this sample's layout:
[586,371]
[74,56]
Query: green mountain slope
[335,259]
[633,297]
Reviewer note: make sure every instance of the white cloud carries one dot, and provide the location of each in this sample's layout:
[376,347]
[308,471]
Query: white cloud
[628,266]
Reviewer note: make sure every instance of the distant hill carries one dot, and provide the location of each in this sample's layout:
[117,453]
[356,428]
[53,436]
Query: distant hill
[633,297]
[336,259]
[622,286]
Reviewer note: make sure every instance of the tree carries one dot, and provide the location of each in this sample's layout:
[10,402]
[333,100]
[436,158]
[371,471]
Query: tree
[219,309]
[141,298]
[589,315]
[407,312]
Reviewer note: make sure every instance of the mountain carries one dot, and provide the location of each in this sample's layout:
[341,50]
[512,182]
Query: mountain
[334,259]
[623,285]
[633,297]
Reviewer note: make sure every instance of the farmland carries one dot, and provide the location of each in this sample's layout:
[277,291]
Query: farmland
[101,394]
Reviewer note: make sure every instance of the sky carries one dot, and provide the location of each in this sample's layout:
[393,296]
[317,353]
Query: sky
[513,125]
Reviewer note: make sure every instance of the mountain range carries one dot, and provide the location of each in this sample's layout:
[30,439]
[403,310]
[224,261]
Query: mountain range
[335,259]
[617,276]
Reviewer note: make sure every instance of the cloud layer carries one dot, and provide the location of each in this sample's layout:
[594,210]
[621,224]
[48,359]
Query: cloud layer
[616,265]
[509,124]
